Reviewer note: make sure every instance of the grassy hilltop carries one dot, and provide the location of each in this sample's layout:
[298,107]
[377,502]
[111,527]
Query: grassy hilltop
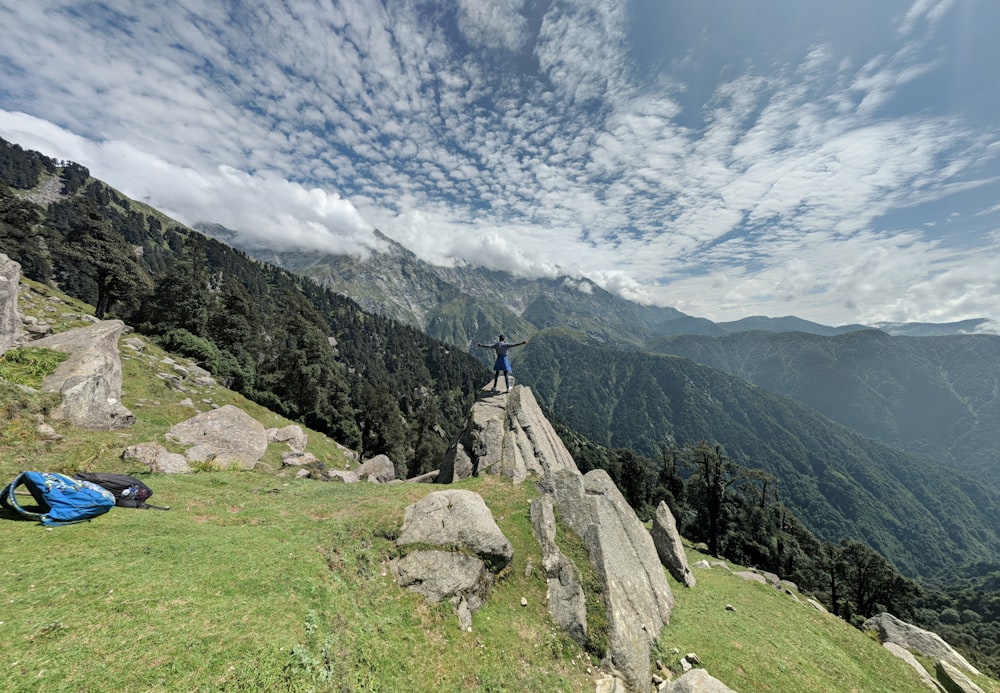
[258,581]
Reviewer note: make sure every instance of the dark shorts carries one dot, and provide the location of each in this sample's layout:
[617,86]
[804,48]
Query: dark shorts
[502,364]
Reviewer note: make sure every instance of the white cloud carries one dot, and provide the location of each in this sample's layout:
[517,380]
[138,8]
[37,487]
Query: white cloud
[539,144]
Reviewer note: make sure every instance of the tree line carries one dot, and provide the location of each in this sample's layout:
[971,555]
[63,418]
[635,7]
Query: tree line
[372,384]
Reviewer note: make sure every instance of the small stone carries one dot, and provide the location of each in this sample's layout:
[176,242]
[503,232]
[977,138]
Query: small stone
[730,607]
[524,602]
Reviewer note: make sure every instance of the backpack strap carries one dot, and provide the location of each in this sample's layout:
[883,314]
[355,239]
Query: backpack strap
[9,498]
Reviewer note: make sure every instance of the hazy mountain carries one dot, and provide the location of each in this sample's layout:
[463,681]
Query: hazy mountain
[938,396]
[837,480]
[465,304]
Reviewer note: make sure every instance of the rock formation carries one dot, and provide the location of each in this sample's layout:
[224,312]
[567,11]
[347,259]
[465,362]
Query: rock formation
[507,435]
[566,600]
[90,380]
[620,548]
[668,544]
[223,437]
[11,326]
[916,640]
[467,550]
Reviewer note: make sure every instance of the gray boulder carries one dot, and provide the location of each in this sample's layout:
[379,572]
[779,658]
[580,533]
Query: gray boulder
[622,552]
[566,600]
[11,327]
[224,437]
[379,469]
[506,435]
[292,435]
[439,576]
[90,380]
[697,681]
[453,519]
[457,518]
[669,547]
[157,458]
[916,640]
[953,680]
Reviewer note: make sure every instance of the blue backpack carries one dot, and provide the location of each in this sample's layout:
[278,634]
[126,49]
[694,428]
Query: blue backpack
[60,500]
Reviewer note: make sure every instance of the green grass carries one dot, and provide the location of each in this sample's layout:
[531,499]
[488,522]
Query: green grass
[253,583]
[770,642]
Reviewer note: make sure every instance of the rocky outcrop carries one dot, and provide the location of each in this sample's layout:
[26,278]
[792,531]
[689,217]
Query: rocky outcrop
[668,544]
[953,680]
[620,548]
[11,326]
[506,434]
[566,600]
[462,551]
[90,380]
[225,437]
[696,681]
[916,640]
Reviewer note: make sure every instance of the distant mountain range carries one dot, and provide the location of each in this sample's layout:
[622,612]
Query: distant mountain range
[465,304]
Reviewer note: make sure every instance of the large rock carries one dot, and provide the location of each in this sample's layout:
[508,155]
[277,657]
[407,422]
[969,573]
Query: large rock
[668,544]
[697,681]
[90,380]
[461,550]
[506,435]
[292,435]
[157,458]
[916,640]
[457,518]
[223,437]
[953,680]
[566,600]
[379,469]
[621,550]
[11,326]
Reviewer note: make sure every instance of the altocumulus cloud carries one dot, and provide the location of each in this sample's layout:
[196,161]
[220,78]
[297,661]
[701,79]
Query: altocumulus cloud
[839,162]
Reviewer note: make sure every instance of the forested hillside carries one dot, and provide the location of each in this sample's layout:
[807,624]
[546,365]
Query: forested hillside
[922,516]
[937,396]
[371,383]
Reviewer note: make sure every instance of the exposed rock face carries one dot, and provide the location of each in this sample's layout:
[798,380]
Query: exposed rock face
[622,551]
[916,640]
[379,469]
[953,680]
[90,380]
[224,437]
[11,326]
[506,435]
[697,681]
[565,597]
[668,544]
[453,518]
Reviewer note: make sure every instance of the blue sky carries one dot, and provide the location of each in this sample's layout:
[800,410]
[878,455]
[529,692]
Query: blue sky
[839,161]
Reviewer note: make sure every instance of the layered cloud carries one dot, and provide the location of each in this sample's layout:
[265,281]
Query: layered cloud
[788,161]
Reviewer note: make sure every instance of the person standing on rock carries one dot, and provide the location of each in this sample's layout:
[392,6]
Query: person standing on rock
[502,365]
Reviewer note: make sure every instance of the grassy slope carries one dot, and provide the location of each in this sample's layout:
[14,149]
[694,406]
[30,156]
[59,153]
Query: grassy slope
[255,581]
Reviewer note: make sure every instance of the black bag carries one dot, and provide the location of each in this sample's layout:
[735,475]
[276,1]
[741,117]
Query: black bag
[128,491]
